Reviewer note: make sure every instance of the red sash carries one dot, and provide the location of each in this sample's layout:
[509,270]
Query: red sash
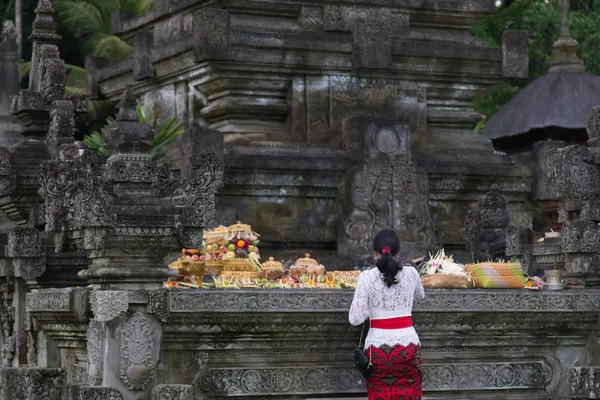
[392,323]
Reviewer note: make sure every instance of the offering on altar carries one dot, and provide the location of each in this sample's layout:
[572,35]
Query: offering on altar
[186,277]
[272,270]
[497,275]
[343,279]
[240,253]
[441,272]
[306,266]
[214,240]
[190,263]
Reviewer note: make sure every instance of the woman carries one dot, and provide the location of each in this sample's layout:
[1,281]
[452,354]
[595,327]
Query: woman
[385,296]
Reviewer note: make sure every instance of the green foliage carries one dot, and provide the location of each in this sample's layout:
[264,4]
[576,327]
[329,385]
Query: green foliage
[90,22]
[163,139]
[542,22]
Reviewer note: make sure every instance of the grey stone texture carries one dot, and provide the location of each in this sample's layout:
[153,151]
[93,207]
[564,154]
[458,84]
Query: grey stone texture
[290,87]
[317,144]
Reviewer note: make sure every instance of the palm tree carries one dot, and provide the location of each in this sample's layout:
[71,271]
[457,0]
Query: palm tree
[90,20]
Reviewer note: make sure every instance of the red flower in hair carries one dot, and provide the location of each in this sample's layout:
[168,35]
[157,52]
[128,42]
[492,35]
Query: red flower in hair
[385,250]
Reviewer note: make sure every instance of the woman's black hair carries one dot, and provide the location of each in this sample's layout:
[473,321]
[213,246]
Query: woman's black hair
[387,243]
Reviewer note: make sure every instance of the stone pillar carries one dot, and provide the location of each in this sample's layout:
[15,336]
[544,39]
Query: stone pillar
[545,189]
[127,213]
[519,240]
[577,179]
[9,67]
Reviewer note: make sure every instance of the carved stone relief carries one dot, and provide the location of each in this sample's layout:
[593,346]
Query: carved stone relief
[108,304]
[173,392]
[584,383]
[139,355]
[384,194]
[484,232]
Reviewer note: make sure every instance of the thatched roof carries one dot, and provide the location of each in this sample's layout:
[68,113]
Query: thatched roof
[555,106]
[555,100]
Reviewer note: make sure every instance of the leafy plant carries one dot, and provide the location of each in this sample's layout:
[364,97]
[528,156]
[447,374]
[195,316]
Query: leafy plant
[163,139]
[90,21]
[541,20]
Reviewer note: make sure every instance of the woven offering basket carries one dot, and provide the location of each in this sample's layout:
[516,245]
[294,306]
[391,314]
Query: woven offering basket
[440,281]
[213,268]
[191,268]
[497,275]
[239,265]
[239,275]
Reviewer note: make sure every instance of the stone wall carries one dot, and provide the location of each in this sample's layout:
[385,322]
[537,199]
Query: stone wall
[293,344]
[289,84]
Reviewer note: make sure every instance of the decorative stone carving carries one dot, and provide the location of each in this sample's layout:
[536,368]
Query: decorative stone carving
[31,383]
[140,346]
[584,382]
[95,347]
[24,248]
[387,191]
[173,392]
[62,126]
[7,175]
[108,304]
[9,67]
[581,245]
[574,175]
[515,59]
[92,393]
[212,34]
[484,228]
[7,320]
[311,17]
[288,381]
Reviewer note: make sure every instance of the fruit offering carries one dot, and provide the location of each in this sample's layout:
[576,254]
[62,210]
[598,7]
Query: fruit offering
[240,252]
[191,255]
[214,240]
[191,263]
[272,270]
[307,266]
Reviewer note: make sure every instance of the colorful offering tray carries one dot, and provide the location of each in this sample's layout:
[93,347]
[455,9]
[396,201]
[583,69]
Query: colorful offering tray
[272,270]
[497,275]
[240,254]
[307,266]
[214,240]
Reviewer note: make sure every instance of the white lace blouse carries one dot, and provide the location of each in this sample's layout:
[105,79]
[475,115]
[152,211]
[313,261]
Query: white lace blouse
[374,300]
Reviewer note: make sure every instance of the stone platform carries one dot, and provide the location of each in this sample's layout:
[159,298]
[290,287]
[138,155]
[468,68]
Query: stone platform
[297,344]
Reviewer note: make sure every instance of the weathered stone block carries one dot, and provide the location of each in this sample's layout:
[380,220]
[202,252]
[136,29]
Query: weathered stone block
[142,57]
[515,59]
[173,392]
[31,383]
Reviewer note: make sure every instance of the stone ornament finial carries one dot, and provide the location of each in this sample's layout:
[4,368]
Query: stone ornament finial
[128,106]
[564,50]
[44,27]
[128,134]
[9,49]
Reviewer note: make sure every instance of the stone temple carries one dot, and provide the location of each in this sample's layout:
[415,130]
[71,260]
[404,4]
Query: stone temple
[318,123]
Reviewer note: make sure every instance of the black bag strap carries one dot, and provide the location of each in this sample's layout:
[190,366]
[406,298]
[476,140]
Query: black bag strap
[362,334]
